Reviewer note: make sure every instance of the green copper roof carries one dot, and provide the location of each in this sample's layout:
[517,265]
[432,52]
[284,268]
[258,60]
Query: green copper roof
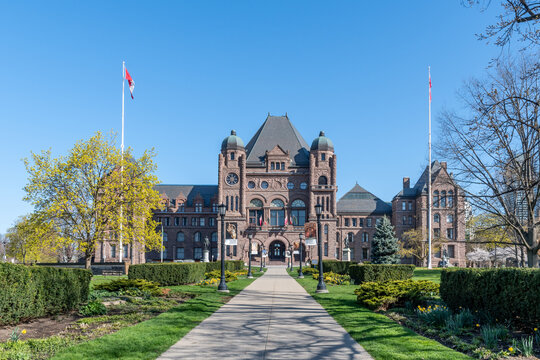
[322,143]
[232,142]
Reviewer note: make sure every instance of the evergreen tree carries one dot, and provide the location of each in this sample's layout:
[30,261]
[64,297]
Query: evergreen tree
[385,244]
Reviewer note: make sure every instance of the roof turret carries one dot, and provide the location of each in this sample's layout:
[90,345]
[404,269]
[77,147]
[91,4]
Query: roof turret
[322,143]
[232,142]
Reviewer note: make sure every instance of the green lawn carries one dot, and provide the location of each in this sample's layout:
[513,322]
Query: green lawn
[427,274]
[100,279]
[380,336]
[147,340]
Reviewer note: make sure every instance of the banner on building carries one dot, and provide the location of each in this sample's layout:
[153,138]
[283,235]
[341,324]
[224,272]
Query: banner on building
[231,242]
[230,233]
[311,242]
[310,231]
[254,249]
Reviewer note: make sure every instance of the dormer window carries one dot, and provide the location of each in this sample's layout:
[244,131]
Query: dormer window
[173,202]
[198,207]
[181,209]
[278,166]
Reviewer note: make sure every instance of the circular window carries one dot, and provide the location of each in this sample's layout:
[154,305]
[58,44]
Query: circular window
[290,186]
[251,185]
[264,185]
[232,179]
[303,186]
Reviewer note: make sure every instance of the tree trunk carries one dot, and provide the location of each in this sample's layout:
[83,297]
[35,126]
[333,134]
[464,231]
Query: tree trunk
[532,258]
[88,262]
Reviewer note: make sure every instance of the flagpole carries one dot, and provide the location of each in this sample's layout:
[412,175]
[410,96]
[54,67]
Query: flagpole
[122,164]
[429,174]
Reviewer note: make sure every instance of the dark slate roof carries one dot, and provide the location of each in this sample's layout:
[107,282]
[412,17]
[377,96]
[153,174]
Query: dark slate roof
[277,130]
[359,200]
[421,185]
[190,192]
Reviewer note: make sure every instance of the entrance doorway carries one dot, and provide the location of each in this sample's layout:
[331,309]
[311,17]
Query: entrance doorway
[277,250]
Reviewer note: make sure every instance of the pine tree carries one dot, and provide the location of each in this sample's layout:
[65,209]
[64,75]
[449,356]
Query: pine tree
[385,244]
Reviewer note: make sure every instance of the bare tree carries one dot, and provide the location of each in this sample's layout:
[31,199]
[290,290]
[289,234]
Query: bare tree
[521,17]
[495,149]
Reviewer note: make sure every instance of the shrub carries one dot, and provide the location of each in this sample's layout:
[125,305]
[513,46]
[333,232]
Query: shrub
[127,285]
[382,295]
[492,334]
[333,278]
[169,273]
[93,308]
[309,270]
[379,272]
[508,294]
[35,291]
[231,265]
[336,266]
[216,274]
[209,282]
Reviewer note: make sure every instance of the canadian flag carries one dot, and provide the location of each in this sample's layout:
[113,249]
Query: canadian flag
[260,220]
[286,221]
[131,83]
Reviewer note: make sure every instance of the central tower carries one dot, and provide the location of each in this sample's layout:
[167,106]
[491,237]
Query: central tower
[270,188]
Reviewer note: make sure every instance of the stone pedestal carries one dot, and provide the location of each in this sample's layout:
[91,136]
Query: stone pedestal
[206,255]
[346,254]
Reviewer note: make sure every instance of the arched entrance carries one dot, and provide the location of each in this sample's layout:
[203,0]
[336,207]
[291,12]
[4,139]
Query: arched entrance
[276,251]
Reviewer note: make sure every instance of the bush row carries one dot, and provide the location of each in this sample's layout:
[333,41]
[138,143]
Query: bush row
[179,273]
[506,294]
[336,266]
[379,272]
[34,291]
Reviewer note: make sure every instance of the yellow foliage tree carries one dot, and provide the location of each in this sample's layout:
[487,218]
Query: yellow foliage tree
[31,239]
[94,193]
[413,243]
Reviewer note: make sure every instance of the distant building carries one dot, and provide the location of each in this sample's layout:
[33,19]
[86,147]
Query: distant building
[270,188]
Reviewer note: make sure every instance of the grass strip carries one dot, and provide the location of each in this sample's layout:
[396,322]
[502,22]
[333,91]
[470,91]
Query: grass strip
[427,274]
[149,339]
[381,337]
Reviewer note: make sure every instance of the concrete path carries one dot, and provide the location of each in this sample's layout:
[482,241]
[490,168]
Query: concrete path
[272,318]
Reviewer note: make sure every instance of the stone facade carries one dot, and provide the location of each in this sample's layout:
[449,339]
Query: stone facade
[270,188]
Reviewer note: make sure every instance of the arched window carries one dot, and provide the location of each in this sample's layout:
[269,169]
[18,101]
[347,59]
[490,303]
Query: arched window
[180,236]
[277,216]
[436,198]
[197,236]
[365,237]
[450,198]
[214,237]
[277,203]
[437,218]
[256,215]
[256,203]
[323,180]
[443,198]
[298,213]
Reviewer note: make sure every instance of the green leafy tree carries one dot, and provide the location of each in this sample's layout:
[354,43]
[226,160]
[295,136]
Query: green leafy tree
[385,248]
[94,193]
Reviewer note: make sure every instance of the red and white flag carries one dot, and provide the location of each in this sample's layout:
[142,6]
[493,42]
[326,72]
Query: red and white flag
[131,83]
[260,220]
[430,87]
[286,221]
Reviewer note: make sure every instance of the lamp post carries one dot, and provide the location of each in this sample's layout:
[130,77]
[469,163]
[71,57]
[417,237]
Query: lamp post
[291,249]
[249,275]
[300,275]
[161,242]
[261,250]
[321,287]
[222,284]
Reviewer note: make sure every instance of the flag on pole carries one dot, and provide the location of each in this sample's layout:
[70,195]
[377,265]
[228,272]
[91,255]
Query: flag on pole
[131,83]
[430,87]
[286,221]
[260,220]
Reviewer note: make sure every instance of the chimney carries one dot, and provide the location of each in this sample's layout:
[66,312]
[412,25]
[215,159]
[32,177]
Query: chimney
[406,183]
[443,164]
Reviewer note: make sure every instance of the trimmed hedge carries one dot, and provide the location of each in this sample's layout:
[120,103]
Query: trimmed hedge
[28,292]
[510,294]
[231,265]
[179,273]
[380,272]
[336,266]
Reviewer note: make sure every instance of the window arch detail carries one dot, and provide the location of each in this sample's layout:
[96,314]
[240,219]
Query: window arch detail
[277,203]
[256,203]
[298,204]
[323,180]
[180,236]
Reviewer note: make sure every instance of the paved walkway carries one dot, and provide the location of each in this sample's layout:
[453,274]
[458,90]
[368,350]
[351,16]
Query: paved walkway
[272,318]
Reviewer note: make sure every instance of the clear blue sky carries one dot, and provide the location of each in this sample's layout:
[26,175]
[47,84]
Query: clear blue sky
[355,69]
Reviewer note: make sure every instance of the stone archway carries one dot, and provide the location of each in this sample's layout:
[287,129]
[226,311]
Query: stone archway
[276,251]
